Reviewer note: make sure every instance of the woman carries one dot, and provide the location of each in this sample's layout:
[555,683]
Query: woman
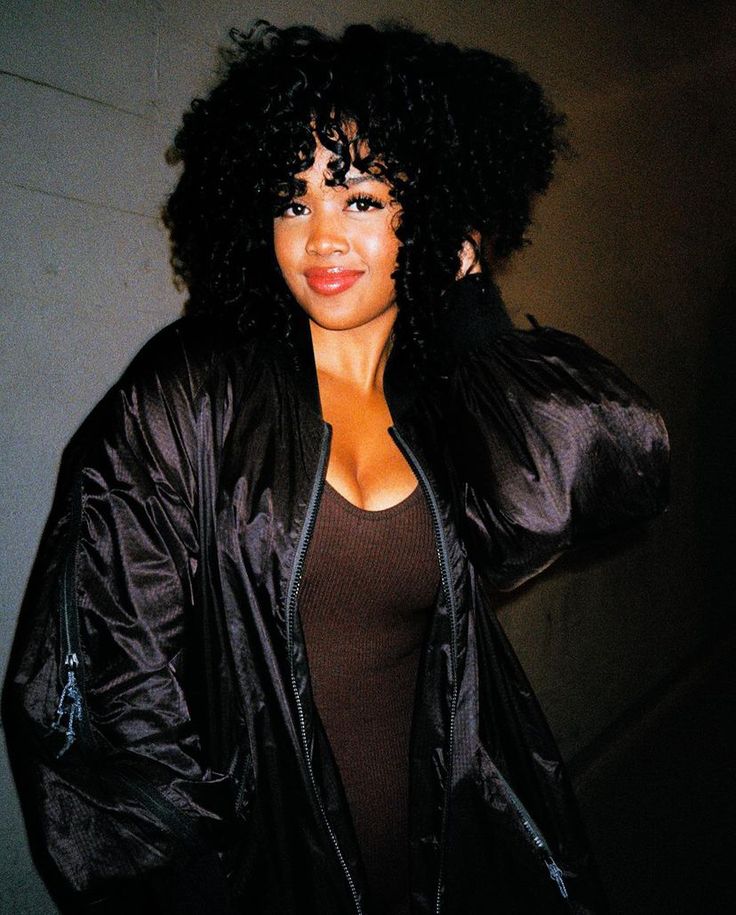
[258,668]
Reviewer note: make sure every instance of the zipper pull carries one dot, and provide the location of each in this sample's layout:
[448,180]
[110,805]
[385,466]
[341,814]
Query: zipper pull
[70,703]
[556,874]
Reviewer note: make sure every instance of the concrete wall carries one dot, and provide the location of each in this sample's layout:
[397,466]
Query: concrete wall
[633,250]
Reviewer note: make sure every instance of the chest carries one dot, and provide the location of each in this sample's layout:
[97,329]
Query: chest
[365,465]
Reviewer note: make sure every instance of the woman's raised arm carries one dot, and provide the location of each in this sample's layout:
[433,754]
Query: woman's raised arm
[557,445]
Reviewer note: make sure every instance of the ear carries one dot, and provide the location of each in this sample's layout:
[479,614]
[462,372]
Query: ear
[470,256]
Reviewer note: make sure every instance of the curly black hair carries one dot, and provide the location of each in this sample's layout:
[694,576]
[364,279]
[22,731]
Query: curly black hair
[465,139]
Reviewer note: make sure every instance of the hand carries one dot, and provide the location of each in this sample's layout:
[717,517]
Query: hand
[469,262]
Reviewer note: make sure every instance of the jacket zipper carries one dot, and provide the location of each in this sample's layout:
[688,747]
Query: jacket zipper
[71,702]
[529,825]
[444,562]
[291,601]
[538,839]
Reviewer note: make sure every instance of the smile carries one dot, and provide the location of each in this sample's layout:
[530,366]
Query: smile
[331,280]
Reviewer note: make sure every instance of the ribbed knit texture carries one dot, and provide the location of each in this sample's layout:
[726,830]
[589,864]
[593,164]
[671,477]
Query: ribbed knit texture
[369,580]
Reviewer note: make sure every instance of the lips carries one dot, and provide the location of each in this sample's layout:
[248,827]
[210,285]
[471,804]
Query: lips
[331,280]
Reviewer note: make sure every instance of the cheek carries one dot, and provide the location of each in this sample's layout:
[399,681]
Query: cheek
[279,247]
[383,248]
[391,251]
[284,248]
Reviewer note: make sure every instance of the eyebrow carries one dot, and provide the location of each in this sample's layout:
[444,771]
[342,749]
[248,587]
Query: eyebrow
[360,179]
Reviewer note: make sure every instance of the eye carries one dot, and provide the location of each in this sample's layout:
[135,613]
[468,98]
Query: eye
[363,203]
[290,210]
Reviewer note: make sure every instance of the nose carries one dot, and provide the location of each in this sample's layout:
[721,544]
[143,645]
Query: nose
[326,236]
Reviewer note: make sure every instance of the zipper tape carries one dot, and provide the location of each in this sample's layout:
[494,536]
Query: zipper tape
[540,842]
[444,562]
[292,595]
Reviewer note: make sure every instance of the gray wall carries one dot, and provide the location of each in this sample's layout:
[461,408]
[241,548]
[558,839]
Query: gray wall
[633,250]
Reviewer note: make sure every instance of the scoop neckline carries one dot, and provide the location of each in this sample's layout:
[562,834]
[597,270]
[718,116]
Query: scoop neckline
[377,512]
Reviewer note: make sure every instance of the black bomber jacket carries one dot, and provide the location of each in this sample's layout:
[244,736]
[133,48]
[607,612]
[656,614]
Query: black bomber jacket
[159,714]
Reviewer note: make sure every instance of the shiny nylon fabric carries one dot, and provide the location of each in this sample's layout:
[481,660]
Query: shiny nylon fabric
[194,478]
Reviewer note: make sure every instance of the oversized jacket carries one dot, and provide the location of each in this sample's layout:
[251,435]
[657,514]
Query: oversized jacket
[160,719]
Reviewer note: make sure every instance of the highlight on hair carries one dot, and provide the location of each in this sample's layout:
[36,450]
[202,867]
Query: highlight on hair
[465,139]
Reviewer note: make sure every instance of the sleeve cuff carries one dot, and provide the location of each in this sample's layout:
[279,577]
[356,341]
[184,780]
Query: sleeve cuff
[474,314]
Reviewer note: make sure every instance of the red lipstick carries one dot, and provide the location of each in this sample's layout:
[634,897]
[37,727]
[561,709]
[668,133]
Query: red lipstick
[331,280]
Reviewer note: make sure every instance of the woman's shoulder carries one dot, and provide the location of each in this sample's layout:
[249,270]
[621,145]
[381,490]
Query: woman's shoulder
[183,355]
[158,397]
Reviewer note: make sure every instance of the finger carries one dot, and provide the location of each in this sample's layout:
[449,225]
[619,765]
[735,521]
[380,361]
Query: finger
[469,261]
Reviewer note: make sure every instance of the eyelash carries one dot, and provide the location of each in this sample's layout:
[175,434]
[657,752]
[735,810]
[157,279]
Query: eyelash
[372,202]
[365,198]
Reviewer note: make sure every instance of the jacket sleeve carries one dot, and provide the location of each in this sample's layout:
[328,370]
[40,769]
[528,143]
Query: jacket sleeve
[557,445]
[118,800]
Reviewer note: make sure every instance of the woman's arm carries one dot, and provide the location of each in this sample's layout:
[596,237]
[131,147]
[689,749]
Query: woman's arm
[556,444]
[118,796]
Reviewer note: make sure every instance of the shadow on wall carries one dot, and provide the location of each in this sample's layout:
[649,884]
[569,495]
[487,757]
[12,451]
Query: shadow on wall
[657,789]
[714,440]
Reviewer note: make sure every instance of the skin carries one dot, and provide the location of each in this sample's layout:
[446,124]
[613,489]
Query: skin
[351,331]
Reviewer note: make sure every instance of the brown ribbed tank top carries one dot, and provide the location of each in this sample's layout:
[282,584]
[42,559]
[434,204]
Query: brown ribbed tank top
[370,579]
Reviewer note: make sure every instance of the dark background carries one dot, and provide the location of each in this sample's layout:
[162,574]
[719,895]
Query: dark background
[634,250]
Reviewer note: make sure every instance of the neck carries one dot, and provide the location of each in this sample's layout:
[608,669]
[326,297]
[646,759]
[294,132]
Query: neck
[357,355]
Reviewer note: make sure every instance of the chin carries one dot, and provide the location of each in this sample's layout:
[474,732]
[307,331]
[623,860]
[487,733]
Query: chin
[333,315]
[334,321]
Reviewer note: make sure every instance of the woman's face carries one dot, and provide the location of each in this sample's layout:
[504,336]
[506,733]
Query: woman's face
[337,248]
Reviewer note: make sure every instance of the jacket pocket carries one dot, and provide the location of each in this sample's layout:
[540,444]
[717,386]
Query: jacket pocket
[176,822]
[242,773]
